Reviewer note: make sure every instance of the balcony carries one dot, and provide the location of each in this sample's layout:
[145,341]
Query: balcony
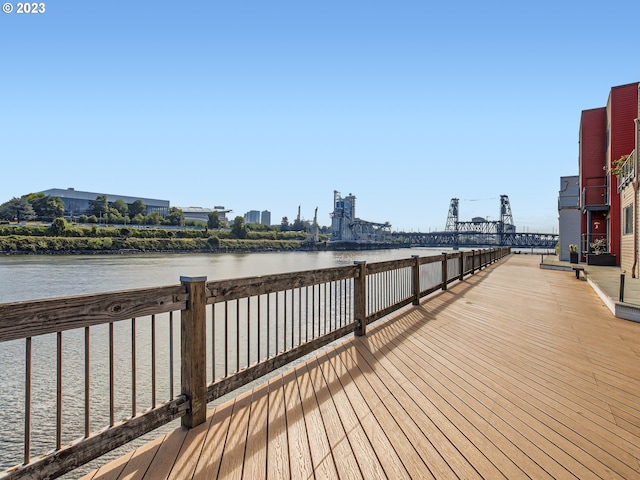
[626,171]
[595,198]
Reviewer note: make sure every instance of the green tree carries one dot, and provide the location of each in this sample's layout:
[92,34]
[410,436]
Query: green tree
[138,219]
[214,220]
[99,207]
[46,207]
[18,209]
[153,218]
[137,207]
[284,224]
[58,226]
[239,229]
[121,206]
[175,217]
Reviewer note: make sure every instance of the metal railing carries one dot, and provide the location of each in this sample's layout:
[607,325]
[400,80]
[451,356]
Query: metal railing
[626,173]
[94,366]
[594,196]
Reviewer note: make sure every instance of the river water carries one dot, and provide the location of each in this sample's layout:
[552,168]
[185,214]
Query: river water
[35,277]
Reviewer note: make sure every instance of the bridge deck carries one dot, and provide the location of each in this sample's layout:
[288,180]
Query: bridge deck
[516,372]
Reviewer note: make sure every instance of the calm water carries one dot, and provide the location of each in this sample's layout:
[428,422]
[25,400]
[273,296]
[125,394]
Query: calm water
[34,277]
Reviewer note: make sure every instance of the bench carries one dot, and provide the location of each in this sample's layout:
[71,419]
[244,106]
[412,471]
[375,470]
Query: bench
[578,269]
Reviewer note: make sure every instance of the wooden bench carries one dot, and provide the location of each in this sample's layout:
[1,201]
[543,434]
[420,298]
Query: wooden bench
[579,269]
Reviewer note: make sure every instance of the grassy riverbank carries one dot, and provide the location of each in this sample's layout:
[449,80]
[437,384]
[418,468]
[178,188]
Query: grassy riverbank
[80,239]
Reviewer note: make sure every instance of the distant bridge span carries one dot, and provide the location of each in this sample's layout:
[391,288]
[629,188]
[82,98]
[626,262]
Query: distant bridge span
[478,239]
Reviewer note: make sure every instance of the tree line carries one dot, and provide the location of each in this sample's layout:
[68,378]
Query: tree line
[45,208]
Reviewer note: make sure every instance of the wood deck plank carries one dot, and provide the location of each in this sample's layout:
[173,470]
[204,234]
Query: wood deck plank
[255,459]
[110,471]
[369,464]
[278,448]
[391,463]
[190,451]
[139,462]
[420,457]
[234,448]
[567,419]
[323,463]
[299,453]
[343,454]
[167,454]
[516,372]
[208,464]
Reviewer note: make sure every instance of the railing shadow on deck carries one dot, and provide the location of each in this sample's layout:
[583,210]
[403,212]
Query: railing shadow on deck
[230,333]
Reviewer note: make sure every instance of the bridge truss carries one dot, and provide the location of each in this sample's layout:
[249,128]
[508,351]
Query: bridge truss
[479,232]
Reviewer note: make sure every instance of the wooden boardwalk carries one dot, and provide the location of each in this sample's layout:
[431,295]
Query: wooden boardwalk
[517,372]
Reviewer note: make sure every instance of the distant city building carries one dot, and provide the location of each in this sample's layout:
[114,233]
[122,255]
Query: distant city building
[77,203]
[200,214]
[265,218]
[252,216]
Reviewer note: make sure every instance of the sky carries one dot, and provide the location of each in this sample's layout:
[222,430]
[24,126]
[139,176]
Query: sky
[274,105]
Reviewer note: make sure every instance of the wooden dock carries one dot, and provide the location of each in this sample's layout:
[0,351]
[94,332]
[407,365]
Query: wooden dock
[515,372]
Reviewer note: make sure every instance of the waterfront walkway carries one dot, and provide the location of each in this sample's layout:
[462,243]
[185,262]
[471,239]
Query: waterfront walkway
[516,372]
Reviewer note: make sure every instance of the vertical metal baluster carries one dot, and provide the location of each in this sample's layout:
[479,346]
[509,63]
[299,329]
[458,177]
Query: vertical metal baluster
[259,329]
[87,371]
[350,298]
[325,307]
[306,313]
[59,392]
[277,316]
[248,331]
[340,302]
[284,333]
[171,355]
[293,316]
[268,325]
[27,402]
[213,342]
[237,335]
[111,378]
[369,282]
[226,339]
[153,361]
[133,367]
[313,311]
[299,315]
[332,302]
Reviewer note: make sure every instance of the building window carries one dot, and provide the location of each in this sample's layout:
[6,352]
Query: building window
[628,220]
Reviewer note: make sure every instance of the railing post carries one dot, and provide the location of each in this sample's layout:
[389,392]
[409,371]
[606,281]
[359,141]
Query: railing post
[415,279]
[193,350]
[461,266]
[445,274]
[360,299]
[473,262]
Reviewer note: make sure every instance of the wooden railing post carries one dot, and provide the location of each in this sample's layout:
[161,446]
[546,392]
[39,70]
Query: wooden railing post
[445,273]
[461,266]
[473,262]
[193,350]
[415,279]
[360,299]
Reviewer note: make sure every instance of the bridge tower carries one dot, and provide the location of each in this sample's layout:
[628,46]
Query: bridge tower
[452,218]
[505,213]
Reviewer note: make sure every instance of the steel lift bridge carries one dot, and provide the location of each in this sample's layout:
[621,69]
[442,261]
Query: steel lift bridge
[480,232]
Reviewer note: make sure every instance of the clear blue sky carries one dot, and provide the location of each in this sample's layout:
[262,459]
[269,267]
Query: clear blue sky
[272,104]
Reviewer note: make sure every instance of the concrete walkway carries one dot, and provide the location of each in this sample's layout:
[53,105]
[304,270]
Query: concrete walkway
[606,283]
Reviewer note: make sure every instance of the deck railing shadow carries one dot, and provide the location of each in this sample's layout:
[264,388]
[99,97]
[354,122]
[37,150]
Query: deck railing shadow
[228,334]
